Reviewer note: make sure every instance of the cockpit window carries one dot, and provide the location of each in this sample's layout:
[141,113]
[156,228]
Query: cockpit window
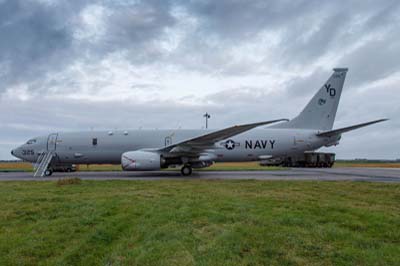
[31,141]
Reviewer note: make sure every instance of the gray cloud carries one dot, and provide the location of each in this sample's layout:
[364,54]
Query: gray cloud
[135,27]
[34,38]
[38,39]
[243,19]
[139,24]
[375,60]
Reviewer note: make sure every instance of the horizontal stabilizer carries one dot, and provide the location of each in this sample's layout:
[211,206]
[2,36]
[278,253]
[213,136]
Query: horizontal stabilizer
[346,129]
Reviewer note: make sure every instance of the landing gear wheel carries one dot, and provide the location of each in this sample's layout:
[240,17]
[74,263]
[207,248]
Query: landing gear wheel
[186,170]
[48,172]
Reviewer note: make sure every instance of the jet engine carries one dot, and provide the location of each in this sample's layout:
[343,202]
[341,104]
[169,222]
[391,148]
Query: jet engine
[141,161]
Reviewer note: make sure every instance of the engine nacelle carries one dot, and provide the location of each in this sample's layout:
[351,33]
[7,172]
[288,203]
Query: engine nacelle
[140,161]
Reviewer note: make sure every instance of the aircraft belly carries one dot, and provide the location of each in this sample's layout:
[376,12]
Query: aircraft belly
[90,157]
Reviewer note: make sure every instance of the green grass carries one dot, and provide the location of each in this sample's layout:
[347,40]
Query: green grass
[198,222]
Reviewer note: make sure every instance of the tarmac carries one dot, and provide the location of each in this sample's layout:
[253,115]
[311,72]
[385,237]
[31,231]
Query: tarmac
[319,174]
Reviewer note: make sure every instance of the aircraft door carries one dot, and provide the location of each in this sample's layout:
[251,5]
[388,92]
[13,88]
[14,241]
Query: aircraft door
[294,145]
[52,142]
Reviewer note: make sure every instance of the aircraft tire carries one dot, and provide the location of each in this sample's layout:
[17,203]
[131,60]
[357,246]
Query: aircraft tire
[48,172]
[186,170]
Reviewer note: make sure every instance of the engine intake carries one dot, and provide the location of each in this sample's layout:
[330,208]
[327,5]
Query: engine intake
[140,161]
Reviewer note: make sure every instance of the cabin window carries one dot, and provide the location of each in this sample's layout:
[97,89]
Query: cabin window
[94,141]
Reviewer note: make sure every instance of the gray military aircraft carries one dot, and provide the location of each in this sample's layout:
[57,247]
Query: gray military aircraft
[146,150]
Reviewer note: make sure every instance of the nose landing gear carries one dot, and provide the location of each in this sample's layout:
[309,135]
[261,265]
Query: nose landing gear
[48,172]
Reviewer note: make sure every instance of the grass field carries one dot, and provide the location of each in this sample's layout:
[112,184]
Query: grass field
[18,166]
[199,223]
[245,166]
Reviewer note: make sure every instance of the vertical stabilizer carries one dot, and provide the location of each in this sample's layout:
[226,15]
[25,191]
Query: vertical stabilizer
[320,112]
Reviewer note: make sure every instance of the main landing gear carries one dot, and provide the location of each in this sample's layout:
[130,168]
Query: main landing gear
[186,170]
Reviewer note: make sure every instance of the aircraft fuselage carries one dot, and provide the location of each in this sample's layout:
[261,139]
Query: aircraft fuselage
[106,147]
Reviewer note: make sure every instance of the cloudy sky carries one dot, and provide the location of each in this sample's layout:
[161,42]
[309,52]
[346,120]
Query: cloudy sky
[81,65]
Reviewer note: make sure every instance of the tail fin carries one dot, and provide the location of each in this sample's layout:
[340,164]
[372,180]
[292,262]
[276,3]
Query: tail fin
[320,112]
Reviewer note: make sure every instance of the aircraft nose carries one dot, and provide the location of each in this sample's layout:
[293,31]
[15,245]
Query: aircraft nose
[16,152]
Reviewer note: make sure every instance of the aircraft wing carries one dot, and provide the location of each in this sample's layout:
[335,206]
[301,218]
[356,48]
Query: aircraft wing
[207,141]
[346,129]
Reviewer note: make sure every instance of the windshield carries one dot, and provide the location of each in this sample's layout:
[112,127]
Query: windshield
[31,141]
